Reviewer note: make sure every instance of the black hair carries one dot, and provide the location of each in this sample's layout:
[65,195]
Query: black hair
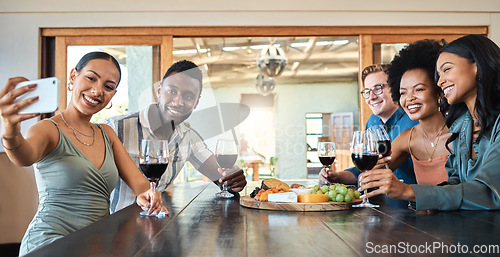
[486,55]
[188,68]
[98,55]
[420,54]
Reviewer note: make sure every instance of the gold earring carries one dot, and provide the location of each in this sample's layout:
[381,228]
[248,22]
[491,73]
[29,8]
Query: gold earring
[111,105]
[439,104]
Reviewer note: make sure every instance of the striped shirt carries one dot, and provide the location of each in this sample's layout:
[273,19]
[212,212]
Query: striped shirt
[185,144]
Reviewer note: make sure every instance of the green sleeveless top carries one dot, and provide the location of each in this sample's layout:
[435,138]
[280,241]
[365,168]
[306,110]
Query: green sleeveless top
[72,192]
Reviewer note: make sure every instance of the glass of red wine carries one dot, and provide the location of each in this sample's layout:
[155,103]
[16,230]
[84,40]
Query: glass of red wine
[364,153]
[153,161]
[326,154]
[226,154]
[383,141]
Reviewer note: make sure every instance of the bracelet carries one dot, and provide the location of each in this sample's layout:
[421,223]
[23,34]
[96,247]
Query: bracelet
[11,149]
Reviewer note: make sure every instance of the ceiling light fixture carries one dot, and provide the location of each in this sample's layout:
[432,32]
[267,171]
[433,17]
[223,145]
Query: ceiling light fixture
[264,85]
[272,61]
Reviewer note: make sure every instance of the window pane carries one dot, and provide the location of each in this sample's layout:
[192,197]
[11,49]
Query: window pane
[321,75]
[388,51]
[314,126]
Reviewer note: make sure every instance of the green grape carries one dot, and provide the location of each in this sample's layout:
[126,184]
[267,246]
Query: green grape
[357,194]
[319,192]
[332,187]
[316,188]
[339,198]
[324,189]
[351,194]
[332,194]
[347,198]
[343,190]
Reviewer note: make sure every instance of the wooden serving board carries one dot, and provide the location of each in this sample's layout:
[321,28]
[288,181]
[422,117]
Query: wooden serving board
[249,202]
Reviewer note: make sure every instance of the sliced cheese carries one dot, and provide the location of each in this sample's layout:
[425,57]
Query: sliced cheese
[302,191]
[288,197]
[312,198]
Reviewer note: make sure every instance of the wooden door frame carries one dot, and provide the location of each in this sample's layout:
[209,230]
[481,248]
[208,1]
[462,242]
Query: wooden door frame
[163,36]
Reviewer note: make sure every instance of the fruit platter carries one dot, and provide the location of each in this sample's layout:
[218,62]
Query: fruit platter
[277,195]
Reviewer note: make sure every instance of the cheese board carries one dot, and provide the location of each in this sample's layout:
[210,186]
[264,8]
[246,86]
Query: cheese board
[247,201]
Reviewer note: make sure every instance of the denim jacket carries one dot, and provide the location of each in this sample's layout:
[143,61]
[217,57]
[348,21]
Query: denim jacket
[473,184]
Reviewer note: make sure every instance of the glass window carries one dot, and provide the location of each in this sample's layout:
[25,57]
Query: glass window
[321,73]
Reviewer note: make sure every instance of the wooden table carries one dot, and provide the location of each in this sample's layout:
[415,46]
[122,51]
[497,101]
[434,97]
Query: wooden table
[202,225]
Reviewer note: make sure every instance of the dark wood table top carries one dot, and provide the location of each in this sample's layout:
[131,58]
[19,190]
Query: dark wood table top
[202,225]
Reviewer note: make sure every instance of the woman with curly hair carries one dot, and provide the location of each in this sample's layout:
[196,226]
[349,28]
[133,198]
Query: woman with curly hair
[468,71]
[411,77]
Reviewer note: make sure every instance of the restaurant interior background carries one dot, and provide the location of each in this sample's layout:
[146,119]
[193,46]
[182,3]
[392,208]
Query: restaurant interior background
[315,96]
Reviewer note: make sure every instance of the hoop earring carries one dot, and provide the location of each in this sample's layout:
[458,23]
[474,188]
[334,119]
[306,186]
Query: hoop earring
[70,86]
[439,104]
[111,105]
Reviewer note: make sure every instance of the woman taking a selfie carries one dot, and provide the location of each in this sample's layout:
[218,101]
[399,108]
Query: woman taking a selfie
[77,163]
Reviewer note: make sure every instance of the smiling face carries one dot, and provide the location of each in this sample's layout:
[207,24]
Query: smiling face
[381,105]
[419,95]
[94,85]
[457,78]
[178,96]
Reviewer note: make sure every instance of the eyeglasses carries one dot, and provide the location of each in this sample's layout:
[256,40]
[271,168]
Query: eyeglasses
[377,90]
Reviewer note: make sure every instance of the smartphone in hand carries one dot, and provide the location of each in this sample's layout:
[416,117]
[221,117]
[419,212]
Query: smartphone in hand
[47,91]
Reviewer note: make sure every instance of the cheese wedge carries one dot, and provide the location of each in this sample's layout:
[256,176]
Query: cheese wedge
[287,197]
[312,198]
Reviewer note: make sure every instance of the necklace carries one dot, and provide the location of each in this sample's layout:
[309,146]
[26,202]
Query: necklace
[436,136]
[75,130]
[432,143]
[477,123]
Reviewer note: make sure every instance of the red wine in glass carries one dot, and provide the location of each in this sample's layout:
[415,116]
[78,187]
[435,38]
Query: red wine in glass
[364,154]
[153,162]
[153,171]
[326,155]
[384,147]
[226,161]
[364,161]
[226,154]
[383,140]
[327,161]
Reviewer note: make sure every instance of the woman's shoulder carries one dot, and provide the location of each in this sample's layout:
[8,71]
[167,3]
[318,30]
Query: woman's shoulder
[109,131]
[44,127]
[401,141]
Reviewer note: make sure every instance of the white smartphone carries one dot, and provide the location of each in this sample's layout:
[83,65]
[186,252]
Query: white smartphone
[47,91]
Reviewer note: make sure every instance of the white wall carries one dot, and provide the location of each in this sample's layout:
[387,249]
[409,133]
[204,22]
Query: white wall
[20,21]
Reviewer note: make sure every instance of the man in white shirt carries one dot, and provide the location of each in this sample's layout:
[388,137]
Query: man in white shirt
[178,96]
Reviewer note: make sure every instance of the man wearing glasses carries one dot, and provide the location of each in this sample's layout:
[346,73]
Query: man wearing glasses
[385,112]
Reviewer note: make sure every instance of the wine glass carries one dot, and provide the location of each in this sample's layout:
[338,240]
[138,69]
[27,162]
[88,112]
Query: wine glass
[364,151]
[326,154]
[153,161]
[383,141]
[226,154]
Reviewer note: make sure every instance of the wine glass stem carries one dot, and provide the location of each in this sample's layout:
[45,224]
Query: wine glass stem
[153,189]
[224,186]
[365,200]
